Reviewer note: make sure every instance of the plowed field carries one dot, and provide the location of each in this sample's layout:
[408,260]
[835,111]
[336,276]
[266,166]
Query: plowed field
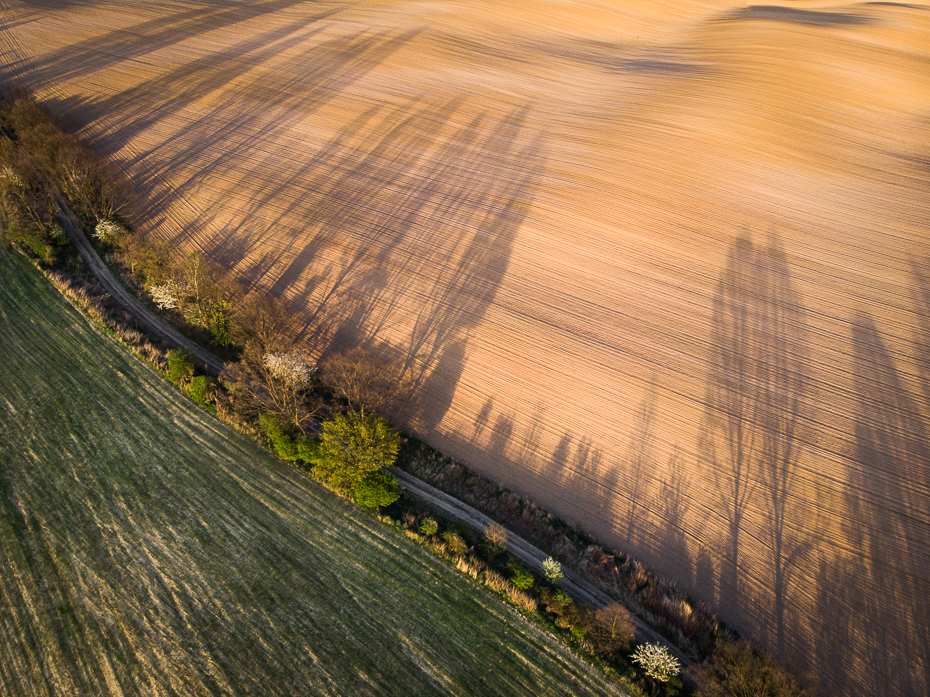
[661,266]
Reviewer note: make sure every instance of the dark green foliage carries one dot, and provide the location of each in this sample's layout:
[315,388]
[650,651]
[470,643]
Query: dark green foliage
[353,445]
[376,490]
[180,365]
[308,450]
[201,390]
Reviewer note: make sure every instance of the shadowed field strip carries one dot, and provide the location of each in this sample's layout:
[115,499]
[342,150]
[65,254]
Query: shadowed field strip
[146,549]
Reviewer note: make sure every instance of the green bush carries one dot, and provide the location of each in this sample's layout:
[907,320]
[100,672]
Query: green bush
[429,526]
[284,437]
[351,447]
[201,390]
[376,489]
[455,543]
[522,578]
[180,365]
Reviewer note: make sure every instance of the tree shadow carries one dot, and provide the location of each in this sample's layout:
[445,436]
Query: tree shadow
[755,417]
[883,586]
[417,231]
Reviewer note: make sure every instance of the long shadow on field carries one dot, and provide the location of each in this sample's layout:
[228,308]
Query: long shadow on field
[878,593]
[754,424]
[415,230]
[253,95]
[105,50]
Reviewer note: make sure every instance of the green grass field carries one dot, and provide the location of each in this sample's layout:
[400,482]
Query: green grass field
[145,548]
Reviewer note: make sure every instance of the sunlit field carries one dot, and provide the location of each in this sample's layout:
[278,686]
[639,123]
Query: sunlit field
[662,266]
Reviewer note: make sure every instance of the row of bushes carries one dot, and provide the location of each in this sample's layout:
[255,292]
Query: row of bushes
[602,635]
[273,390]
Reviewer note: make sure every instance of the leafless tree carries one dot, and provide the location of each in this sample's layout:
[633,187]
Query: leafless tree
[367,382]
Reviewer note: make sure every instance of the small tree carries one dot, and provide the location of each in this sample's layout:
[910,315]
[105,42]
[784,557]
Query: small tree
[552,571]
[367,382]
[180,365]
[612,630]
[353,446]
[657,663]
[740,669]
[495,538]
[264,323]
[277,382]
[109,231]
[376,489]
[429,526]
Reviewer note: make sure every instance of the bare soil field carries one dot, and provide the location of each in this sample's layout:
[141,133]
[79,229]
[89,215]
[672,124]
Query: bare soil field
[662,266]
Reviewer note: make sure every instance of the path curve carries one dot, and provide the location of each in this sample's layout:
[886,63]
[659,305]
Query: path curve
[152,322]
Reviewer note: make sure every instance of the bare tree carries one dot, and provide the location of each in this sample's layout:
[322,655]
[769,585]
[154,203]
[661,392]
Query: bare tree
[264,321]
[367,382]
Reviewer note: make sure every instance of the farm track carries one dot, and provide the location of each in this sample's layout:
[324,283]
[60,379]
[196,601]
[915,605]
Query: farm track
[526,553]
[663,267]
[152,322]
[148,549]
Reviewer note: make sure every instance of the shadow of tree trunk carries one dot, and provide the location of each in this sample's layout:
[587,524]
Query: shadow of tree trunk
[754,421]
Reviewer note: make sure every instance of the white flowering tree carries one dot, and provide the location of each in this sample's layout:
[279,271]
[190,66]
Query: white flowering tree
[279,382]
[553,571]
[108,231]
[170,295]
[656,661]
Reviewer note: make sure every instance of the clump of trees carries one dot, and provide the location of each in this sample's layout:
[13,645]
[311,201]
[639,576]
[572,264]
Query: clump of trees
[740,669]
[40,164]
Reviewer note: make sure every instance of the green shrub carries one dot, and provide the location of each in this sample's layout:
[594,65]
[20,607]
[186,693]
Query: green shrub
[180,365]
[284,437]
[201,389]
[522,578]
[308,450]
[429,526]
[376,489]
[455,542]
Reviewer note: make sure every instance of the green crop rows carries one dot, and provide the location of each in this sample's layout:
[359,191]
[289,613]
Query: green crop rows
[147,549]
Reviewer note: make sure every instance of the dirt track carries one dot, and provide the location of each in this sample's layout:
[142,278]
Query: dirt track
[661,266]
[153,323]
